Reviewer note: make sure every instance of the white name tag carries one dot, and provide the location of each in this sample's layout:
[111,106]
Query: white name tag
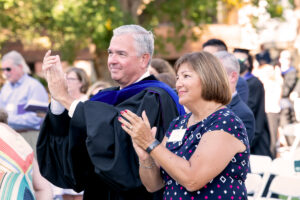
[177,135]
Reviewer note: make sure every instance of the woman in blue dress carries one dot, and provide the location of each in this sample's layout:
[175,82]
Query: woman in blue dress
[205,153]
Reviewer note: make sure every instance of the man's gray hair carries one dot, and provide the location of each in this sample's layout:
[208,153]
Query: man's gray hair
[17,59]
[144,40]
[229,61]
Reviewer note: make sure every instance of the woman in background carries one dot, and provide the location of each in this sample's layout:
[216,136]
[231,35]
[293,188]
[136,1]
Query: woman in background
[78,83]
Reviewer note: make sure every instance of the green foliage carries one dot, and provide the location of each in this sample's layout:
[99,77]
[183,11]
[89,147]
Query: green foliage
[292,2]
[79,23]
[274,8]
[72,25]
[181,16]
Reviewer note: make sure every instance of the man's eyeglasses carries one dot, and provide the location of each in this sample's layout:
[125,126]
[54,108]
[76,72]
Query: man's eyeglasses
[8,69]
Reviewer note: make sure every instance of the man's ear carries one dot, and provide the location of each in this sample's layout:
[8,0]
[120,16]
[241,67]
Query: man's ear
[234,77]
[145,60]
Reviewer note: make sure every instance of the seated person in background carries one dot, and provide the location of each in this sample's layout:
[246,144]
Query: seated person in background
[96,87]
[20,177]
[211,135]
[18,90]
[78,83]
[239,107]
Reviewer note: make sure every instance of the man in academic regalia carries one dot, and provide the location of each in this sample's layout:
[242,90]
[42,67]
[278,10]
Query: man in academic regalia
[82,145]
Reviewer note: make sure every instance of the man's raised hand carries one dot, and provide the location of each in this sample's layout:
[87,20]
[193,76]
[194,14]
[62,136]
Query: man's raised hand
[55,77]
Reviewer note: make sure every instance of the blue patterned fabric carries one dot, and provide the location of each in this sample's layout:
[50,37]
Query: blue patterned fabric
[229,184]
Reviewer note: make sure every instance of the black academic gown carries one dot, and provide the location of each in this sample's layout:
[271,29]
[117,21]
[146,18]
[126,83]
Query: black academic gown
[91,152]
[241,109]
[256,102]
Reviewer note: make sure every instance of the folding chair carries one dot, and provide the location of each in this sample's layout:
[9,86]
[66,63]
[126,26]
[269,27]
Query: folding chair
[285,185]
[292,130]
[283,166]
[253,184]
[296,154]
[260,165]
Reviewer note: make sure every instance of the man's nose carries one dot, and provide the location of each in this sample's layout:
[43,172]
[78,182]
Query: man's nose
[112,59]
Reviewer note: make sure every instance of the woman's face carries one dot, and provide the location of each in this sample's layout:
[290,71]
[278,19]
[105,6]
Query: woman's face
[188,85]
[74,83]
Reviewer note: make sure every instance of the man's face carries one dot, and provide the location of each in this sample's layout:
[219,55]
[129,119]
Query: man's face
[124,64]
[11,72]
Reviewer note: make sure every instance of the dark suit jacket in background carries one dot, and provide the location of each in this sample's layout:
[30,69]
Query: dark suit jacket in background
[245,114]
[242,89]
[256,102]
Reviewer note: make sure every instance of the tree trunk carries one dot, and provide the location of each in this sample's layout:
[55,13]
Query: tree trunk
[131,6]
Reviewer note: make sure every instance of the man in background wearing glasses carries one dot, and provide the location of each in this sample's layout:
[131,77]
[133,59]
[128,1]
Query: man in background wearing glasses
[18,90]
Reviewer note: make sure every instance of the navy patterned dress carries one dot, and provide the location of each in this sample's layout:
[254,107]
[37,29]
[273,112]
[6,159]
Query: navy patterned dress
[229,184]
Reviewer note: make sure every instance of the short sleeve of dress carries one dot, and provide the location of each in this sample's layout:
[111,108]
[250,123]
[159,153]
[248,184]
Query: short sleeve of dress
[227,121]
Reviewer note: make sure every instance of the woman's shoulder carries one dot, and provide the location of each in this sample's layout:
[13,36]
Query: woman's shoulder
[225,120]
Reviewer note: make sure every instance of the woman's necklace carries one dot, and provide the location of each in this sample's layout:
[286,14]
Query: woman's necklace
[193,121]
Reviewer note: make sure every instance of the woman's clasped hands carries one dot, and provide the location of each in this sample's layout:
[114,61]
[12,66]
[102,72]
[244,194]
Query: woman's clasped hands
[139,129]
